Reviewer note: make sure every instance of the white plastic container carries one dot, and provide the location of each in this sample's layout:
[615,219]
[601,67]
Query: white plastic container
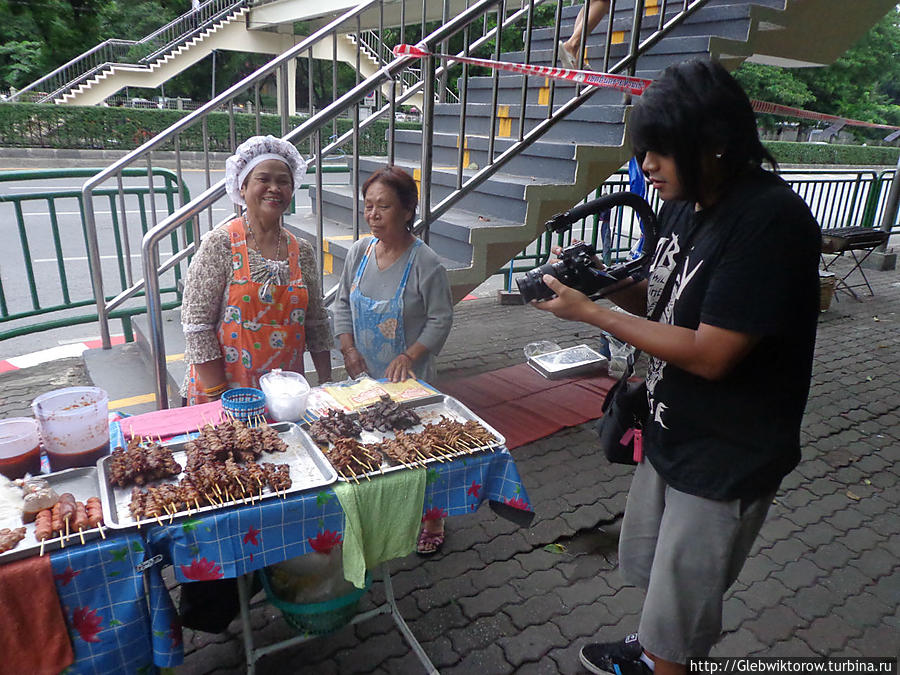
[20,447]
[74,425]
[286,393]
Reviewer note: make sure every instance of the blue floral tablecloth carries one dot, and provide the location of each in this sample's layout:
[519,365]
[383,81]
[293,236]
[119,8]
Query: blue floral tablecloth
[115,626]
[239,540]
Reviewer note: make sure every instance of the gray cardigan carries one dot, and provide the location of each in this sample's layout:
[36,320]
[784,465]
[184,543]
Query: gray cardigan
[427,303]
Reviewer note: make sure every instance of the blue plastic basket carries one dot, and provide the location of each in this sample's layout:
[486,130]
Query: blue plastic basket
[317,618]
[244,403]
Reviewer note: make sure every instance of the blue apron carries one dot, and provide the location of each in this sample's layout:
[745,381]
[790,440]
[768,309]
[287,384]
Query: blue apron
[378,324]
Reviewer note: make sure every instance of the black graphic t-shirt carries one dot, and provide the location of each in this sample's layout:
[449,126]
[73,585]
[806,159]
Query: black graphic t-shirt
[752,267]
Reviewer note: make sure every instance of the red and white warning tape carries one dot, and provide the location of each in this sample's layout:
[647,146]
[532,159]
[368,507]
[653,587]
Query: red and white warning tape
[631,85]
[787,111]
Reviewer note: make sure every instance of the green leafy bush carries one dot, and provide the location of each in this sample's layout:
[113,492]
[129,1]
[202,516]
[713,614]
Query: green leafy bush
[826,153]
[31,125]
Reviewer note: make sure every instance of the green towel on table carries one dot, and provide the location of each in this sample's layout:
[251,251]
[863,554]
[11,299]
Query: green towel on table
[381,520]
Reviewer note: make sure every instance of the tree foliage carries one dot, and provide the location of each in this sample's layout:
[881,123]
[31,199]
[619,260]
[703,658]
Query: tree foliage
[37,36]
[862,84]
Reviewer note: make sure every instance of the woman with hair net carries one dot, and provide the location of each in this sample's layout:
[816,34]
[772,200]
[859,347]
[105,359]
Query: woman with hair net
[253,299]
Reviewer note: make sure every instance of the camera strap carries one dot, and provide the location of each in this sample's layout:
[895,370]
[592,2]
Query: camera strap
[663,300]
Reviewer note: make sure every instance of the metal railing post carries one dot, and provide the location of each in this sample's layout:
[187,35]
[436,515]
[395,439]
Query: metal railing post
[320,217]
[523,94]
[93,253]
[427,149]
[154,321]
[889,219]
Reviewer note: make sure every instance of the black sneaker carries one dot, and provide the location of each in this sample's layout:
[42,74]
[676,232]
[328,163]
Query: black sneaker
[618,658]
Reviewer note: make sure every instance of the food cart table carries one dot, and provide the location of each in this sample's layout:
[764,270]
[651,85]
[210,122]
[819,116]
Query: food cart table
[235,542]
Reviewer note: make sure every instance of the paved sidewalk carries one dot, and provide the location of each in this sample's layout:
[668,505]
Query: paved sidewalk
[823,579]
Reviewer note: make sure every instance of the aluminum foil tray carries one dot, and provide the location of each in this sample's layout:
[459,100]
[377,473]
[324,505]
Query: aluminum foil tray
[568,362]
[309,471]
[82,482]
[430,409]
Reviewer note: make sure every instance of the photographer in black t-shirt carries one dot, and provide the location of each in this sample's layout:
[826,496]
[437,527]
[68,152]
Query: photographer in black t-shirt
[730,366]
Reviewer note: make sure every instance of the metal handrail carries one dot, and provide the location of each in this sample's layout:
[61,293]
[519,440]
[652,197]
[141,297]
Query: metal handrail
[310,128]
[482,175]
[171,134]
[194,22]
[373,45]
[386,74]
[107,48]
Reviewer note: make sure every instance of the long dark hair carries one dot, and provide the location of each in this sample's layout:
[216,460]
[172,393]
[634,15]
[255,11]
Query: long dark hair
[693,112]
[401,183]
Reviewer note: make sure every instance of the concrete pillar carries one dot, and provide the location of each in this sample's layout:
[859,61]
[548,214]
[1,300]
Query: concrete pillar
[291,87]
[884,258]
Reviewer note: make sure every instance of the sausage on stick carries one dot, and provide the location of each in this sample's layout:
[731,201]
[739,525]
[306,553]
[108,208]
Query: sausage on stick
[43,527]
[56,522]
[81,520]
[95,514]
[67,510]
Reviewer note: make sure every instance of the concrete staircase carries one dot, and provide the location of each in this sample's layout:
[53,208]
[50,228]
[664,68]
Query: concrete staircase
[506,213]
[116,76]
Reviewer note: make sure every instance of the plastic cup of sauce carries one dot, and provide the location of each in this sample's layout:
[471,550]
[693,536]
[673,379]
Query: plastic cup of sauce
[20,447]
[74,426]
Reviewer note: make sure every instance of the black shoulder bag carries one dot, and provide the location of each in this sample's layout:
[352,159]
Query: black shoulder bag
[625,408]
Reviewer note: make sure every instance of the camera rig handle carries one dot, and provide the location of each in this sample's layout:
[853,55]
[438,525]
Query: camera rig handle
[562,221]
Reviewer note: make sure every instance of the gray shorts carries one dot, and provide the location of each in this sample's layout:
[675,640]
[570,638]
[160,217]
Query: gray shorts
[685,551]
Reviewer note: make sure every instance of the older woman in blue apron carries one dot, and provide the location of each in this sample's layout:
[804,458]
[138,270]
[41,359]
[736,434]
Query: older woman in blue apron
[393,310]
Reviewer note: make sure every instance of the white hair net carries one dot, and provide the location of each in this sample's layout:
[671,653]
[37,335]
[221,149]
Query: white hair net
[253,151]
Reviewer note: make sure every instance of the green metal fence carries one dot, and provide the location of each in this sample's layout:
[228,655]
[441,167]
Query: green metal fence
[57,297]
[837,198]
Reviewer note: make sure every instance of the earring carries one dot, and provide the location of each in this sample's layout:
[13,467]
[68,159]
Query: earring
[719,155]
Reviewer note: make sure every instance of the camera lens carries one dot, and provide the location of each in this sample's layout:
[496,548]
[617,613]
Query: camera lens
[532,287]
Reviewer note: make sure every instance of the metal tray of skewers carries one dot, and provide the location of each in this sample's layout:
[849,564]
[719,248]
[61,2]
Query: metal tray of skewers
[62,509]
[390,435]
[231,464]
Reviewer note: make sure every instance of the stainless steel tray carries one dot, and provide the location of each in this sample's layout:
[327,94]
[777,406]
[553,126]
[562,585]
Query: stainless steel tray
[430,409]
[309,470]
[82,482]
[568,362]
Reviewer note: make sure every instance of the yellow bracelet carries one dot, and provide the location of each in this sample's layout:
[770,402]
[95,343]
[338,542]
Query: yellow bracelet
[215,391]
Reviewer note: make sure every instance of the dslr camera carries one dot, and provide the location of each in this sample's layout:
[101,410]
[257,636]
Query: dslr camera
[577,266]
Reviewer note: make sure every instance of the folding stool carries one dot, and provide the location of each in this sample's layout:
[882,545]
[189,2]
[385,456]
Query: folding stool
[841,240]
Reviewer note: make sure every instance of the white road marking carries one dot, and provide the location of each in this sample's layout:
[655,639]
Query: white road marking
[105,213]
[80,258]
[51,354]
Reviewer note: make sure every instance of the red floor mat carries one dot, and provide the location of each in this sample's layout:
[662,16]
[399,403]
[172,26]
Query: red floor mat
[524,406]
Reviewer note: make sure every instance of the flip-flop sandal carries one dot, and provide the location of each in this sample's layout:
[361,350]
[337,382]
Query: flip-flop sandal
[429,542]
[567,60]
